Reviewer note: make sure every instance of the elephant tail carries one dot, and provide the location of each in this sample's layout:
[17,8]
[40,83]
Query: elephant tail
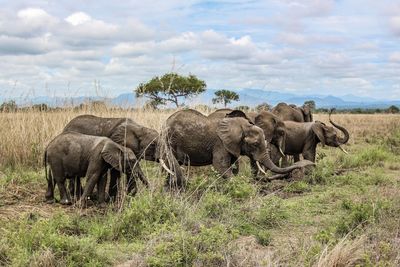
[48,174]
[45,165]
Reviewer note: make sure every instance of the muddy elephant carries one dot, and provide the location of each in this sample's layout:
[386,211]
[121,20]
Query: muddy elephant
[198,140]
[272,126]
[124,131]
[72,154]
[303,138]
[293,113]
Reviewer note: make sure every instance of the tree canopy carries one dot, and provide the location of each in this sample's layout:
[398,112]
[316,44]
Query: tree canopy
[311,104]
[170,88]
[225,97]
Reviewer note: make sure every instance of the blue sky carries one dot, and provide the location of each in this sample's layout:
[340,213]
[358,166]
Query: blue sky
[84,48]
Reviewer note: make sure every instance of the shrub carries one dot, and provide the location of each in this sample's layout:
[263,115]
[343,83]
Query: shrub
[214,204]
[264,237]
[239,187]
[271,213]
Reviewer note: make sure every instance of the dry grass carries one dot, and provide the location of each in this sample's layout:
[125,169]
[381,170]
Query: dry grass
[344,253]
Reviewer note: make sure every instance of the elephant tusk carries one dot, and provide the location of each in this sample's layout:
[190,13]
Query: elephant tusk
[261,169]
[344,151]
[165,167]
[281,151]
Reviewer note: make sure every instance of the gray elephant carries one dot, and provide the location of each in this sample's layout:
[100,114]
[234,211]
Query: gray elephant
[302,138]
[124,131]
[293,113]
[272,126]
[198,140]
[72,154]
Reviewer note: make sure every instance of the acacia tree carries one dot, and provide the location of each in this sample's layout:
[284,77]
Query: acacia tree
[310,103]
[170,88]
[225,97]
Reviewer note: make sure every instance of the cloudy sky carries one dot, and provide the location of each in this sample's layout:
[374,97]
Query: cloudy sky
[74,48]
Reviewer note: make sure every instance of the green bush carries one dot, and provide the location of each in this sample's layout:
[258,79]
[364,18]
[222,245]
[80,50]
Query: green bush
[264,237]
[177,247]
[271,213]
[214,204]
[240,188]
[143,213]
[368,156]
[29,238]
[358,215]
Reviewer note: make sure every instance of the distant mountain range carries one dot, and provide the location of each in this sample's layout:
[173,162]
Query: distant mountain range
[248,97]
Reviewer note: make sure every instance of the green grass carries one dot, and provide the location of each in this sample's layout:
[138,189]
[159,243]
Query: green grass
[344,196]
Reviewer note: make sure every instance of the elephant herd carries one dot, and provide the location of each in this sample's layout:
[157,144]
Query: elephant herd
[91,147]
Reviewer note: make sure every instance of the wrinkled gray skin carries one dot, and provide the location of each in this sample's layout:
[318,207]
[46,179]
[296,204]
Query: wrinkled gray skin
[293,113]
[72,154]
[272,126]
[141,140]
[303,138]
[198,140]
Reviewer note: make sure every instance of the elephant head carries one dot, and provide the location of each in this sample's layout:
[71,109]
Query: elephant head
[329,136]
[142,140]
[240,137]
[274,129]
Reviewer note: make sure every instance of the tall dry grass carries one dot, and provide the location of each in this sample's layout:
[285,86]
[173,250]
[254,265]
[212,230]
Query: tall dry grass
[24,135]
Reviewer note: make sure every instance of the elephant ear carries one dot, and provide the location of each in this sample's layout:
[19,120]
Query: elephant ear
[318,129]
[115,155]
[268,130]
[125,134]
[230,132]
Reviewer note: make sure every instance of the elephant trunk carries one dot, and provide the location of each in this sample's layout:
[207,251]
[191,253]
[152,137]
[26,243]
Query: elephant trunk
[267,162]
[341,140]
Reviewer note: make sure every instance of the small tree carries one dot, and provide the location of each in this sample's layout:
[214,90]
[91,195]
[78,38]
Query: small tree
[311,104]
[263,106]
[225,97]
[170,88]
[9,106]
[393,109]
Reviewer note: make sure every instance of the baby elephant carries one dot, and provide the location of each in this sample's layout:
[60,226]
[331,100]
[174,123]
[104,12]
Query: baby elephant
[72,154]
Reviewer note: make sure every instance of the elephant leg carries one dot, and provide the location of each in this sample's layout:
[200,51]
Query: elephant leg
[296,157]
[101,189]
[93,176]
[64,198]
[309,155]
[50,189]
[235,162]
[113,188]
[222,163]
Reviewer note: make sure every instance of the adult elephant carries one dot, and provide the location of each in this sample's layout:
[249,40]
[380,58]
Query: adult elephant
[303,138]
[124,131]
[272,126]
[293,113]
[198,140]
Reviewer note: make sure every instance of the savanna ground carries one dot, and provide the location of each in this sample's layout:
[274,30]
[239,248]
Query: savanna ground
[346,212]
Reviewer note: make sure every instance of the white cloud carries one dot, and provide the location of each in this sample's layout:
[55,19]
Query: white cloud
[78,18]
